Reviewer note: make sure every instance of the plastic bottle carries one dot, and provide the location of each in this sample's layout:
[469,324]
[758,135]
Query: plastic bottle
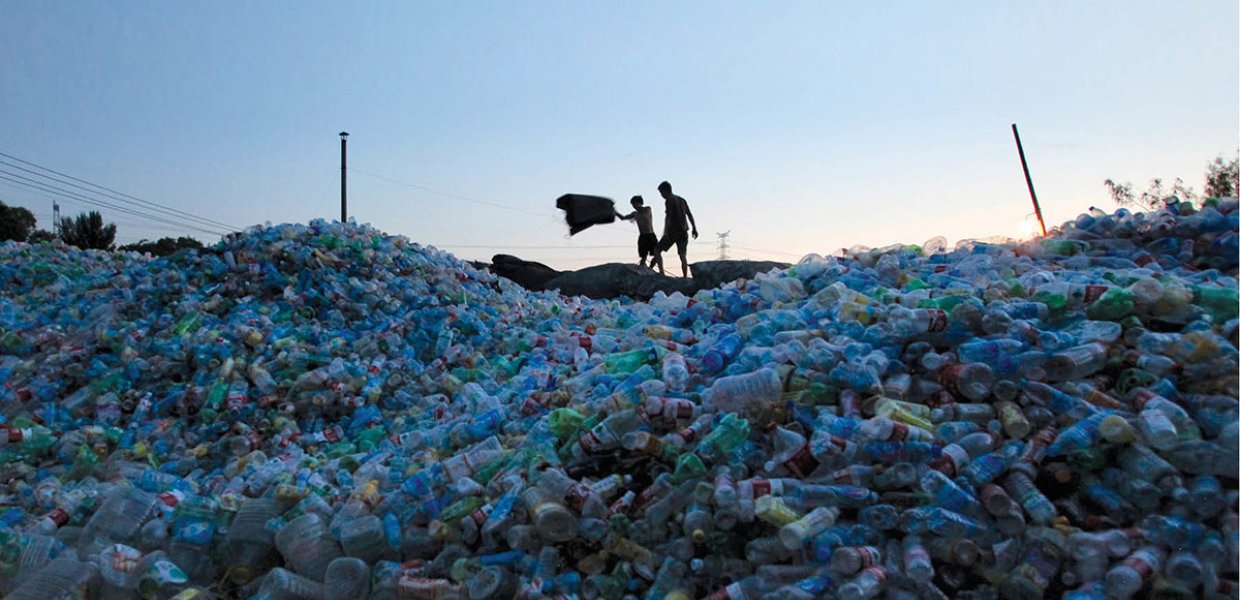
[1134,572]
[307,546]
[868,584]
[848,560]
[346,578]
[737,393]
[280,584]
[63,577]
[675,372]
[917,564]
[721,353]
[607,435]
[794,534]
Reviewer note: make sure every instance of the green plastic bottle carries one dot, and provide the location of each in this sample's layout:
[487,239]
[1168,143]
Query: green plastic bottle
[728,435]
[1112,305]
[1222,303]
[627,362]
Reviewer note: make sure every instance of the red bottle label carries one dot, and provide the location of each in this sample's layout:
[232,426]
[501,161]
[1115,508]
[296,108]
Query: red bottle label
[802,463]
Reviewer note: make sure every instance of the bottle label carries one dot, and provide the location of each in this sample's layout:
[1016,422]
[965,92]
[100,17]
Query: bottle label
[846,476]
[938,320]
[949,377]
[577,496]
[58,517]
[868,556]
[124,558]
[480,516]
[879,573]
[802,463]
[688,434]
[1137,562]
[591,443]
[1093,292]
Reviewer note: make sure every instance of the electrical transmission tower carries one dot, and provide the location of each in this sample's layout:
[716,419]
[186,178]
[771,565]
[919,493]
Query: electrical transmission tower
[723,244]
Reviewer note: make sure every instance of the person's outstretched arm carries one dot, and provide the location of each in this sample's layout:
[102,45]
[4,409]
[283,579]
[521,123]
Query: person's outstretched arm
[628,217]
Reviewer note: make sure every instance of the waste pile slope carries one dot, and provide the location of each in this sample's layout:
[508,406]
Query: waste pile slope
[324,411]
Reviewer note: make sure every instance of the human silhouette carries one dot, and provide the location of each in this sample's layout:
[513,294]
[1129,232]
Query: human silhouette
[647,241]
[675,227]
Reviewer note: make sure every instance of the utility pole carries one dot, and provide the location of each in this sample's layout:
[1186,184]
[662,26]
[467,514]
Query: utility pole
[1028,180]
[56,218]
[344,198]
[723,244]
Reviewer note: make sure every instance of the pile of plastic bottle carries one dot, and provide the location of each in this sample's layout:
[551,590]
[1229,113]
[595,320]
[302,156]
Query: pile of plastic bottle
[322,411]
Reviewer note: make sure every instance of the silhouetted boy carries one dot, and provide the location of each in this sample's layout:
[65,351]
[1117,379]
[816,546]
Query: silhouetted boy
[647,241]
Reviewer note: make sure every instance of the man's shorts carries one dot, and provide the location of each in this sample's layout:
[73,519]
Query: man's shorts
[647,244]
[679,238]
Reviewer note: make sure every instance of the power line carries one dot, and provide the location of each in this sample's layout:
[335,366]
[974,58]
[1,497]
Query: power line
[60,192]
[519,247]
[118,196]
[759,250]
[50,189]
[451,195]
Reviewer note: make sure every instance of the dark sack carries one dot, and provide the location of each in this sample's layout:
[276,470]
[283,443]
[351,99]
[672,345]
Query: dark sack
[581,211]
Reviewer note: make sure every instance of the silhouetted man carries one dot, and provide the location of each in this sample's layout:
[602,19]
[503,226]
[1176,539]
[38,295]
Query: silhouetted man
[675,227]
[647,241]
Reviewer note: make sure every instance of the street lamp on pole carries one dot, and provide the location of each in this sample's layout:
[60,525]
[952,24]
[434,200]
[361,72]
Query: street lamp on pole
[344,202]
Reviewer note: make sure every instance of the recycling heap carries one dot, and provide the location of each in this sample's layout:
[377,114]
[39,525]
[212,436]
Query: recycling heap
[324,411]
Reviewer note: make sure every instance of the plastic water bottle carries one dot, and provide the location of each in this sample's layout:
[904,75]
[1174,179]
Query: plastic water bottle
[307,546]
[736,393]
[721,353]
[848,560]
[63,577]
[868,584]
[1127,578]
[675,372]
[917,564]
[281,584]
[346,578]
[794,534]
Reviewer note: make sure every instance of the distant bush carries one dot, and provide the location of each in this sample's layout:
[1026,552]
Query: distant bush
[1222,179]
[163,246]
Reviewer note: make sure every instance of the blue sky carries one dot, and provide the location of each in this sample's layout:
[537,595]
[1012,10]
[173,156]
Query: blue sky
[799,127]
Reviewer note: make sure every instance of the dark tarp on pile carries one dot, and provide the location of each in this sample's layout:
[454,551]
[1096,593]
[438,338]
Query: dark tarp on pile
[581,211]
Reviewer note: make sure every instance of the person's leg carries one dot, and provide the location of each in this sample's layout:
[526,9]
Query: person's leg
[682,248]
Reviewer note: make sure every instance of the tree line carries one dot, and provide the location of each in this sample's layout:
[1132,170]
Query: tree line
[86,230]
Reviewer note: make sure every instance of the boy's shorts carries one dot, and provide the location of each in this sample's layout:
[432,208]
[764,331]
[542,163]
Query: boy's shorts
[647,244]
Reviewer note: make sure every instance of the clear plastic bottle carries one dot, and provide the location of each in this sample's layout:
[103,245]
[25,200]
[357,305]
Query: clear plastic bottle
[848,560]
[675,372]
[64,577]
[1027,495]
[1127,578]
[347,578]
[917,563]
[794,534]
[307,545]
[467,463]
[737,393]
[281,584]
[364,538]
[866,585]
